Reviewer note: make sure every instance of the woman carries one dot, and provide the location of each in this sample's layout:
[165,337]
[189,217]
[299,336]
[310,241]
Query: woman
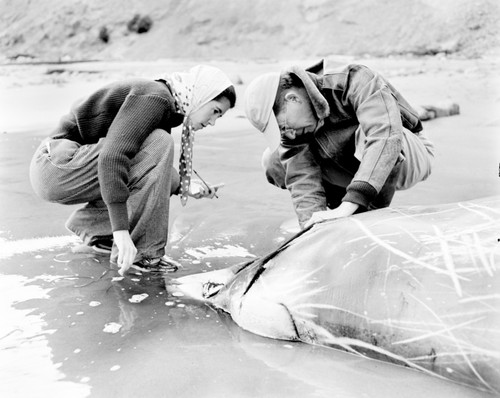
[114,152]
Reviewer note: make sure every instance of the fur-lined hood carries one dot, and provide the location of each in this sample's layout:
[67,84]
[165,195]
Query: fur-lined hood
[311,82]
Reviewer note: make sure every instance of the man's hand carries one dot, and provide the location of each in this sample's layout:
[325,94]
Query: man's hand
[346,209]
[126,250]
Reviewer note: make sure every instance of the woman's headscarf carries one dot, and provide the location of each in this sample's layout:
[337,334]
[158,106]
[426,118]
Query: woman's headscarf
[192,90]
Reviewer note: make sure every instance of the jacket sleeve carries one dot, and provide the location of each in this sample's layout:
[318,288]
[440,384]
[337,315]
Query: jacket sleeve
[138,116]
[303,179]
[379,117]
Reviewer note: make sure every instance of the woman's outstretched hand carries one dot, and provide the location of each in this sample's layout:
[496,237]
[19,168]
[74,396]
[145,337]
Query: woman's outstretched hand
[198,189]
[126,250]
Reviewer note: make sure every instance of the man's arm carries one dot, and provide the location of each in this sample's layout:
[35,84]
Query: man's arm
[379,117]
[303,179]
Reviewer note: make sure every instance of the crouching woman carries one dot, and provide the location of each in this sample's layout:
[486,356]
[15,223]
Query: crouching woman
[114,152]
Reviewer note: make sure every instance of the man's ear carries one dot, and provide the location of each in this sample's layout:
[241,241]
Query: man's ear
[292,97]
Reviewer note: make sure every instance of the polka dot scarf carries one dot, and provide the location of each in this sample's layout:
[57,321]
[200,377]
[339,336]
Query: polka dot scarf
[192,90]
[187,141]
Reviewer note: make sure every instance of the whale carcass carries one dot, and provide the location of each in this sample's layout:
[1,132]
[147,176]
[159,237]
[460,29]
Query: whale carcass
[417,286]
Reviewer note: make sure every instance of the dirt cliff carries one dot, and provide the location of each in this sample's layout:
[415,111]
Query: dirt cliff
[51,30]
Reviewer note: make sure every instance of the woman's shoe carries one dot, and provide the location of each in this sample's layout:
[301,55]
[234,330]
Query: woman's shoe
[102,245]
[165,263]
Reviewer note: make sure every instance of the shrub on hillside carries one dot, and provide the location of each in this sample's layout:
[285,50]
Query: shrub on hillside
[104,34]
[140,24]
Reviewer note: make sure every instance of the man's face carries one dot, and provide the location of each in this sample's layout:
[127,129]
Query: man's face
[296,117]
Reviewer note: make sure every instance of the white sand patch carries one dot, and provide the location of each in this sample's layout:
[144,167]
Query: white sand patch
[137,298]
[112,327]
[224,251]
[25,355]
[11,248]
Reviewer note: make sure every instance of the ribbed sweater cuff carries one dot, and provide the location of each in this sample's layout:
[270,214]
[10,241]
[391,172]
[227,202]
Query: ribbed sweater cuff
[361,193]
[118,216]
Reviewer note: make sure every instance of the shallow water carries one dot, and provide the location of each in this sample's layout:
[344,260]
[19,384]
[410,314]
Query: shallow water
[59,308]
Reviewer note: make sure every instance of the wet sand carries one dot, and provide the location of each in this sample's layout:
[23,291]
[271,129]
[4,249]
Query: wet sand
[55,304]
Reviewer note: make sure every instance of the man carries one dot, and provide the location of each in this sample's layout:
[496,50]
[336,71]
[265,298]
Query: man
[340,140]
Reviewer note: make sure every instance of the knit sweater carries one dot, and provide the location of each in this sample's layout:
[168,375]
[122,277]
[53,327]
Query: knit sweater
[125,112]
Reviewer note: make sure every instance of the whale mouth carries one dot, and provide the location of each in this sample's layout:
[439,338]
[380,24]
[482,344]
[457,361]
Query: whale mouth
[203,286]
[210,289]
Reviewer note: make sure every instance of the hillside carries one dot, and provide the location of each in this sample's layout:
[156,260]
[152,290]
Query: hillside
[51,30]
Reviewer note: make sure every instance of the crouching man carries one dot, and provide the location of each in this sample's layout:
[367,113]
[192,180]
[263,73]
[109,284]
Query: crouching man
[342,141]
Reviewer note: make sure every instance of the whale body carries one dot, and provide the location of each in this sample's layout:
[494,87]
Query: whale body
[416,286]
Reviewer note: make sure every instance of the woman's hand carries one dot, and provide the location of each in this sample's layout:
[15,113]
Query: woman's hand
[346,209]
[198,190]
[126,250]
